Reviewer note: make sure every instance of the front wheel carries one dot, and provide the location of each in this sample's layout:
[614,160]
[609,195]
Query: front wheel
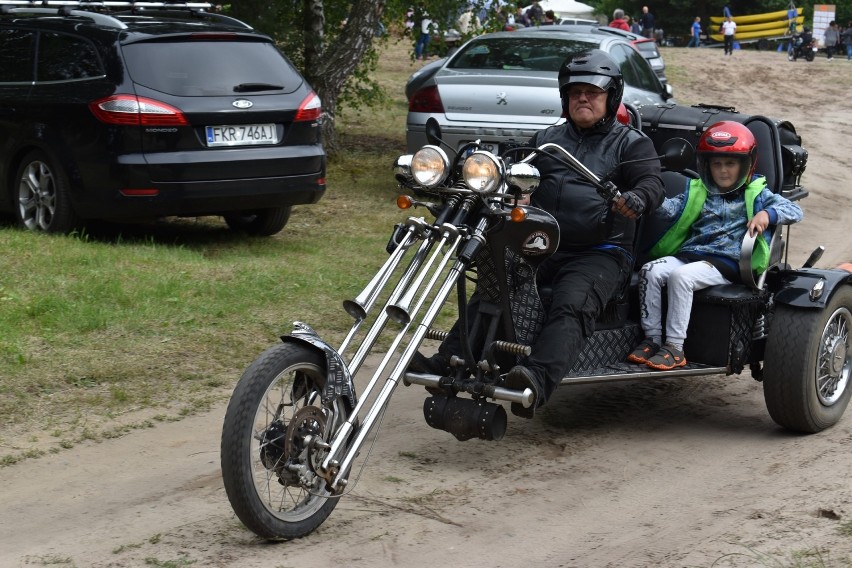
[807,364]
[809,55]
[275,429]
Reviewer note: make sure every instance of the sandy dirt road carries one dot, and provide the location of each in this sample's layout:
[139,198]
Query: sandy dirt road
[681,473]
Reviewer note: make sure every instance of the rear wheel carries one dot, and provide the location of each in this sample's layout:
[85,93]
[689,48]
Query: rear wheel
[42,196]
[262,223]
[272,442]
[807,365]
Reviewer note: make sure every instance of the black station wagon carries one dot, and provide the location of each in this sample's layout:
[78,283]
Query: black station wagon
[150,110]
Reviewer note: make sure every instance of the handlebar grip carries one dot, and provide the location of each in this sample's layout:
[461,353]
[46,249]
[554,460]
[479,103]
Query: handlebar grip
[609,191]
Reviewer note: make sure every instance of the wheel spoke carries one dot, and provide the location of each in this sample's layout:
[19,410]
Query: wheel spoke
[833,359]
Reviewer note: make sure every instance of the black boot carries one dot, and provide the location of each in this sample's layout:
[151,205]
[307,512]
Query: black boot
[520,378]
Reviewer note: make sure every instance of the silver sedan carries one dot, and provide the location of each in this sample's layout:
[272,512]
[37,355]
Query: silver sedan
[502,86]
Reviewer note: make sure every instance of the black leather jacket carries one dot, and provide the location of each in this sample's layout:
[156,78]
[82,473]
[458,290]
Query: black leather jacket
[585,218]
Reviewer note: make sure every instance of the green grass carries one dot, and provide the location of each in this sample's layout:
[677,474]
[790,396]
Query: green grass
[102,331]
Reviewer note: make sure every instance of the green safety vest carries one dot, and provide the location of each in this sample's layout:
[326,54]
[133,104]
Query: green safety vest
[675,236]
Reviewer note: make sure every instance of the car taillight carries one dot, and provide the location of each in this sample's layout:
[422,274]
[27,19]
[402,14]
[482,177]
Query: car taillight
[426,100]
[130,110]
[310,109]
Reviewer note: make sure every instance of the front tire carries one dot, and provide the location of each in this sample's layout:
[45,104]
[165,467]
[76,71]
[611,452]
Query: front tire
[260,223]
[808,359]
[268,460]
[809,55]
[42,196]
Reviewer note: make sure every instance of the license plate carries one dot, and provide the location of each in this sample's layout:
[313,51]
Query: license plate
[242,135]
[489,146]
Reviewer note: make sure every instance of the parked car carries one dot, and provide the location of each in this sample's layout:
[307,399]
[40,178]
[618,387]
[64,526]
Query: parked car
[503,86]
[580,21]
[647,47]
[127,114]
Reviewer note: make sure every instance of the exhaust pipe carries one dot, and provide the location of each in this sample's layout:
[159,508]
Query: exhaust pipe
[465,418]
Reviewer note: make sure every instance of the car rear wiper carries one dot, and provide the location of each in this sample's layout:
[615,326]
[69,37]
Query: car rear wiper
[245,87]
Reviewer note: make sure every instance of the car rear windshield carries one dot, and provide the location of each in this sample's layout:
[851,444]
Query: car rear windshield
[534,54]
[647,48]
[192,67]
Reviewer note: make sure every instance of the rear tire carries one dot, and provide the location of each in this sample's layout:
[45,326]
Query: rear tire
[42,200]
[807,365]
[261,223]
[267,463]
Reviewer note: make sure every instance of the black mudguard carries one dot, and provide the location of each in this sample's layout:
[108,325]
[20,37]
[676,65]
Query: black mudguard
[339,382]
[809,287]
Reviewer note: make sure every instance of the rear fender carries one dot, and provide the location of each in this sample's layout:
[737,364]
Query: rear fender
[339,382]
[809,287]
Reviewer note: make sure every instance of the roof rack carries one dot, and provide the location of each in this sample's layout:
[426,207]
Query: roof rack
[91,4]
[97,11]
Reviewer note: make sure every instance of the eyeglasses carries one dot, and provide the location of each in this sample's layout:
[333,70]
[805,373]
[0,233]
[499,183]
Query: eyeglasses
[589,94]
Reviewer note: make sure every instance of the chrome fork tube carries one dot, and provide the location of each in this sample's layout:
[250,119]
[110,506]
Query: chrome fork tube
[363,303]
[401,334]
[331,467]
[339,470]
[371,337]
[342,435]
[401,286]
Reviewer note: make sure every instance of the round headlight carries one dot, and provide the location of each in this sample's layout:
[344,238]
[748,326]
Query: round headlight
[523,177]
[430,166]
[483,172]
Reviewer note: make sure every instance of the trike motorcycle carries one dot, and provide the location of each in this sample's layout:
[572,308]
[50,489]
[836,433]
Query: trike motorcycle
[296,424]
[802,45]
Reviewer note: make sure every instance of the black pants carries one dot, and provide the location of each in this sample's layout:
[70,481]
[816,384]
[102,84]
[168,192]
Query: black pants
[582,284]
[729,44]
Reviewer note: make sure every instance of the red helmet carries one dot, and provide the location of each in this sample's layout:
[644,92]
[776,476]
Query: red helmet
[623,115]
[727,139]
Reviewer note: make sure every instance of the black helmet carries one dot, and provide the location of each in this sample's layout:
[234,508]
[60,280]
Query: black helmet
[806,29]
[593,67]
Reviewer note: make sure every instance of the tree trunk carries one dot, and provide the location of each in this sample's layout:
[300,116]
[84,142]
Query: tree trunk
[327,67]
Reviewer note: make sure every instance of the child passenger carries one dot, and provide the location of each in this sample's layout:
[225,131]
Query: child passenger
[702,246]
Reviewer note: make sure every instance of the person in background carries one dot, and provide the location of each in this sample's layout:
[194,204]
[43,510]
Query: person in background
[695,33]
[702,246]
[409,22]
[549,18]
[535,13]
[648,23]
[729,29]
[847,40]
[618,20]
[420,48]
[831,38]
[635,27]
[521,18]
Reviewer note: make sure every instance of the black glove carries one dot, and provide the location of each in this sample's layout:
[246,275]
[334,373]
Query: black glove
[634,202]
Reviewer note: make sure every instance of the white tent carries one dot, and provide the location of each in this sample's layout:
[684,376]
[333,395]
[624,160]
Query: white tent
[567,8]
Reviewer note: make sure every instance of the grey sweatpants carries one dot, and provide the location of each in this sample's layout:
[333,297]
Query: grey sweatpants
[682,279]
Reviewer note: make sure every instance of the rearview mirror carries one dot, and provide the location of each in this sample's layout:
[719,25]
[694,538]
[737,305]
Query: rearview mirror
[677,154]
[433,131]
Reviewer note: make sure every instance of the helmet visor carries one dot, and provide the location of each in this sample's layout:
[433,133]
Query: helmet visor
[600,81]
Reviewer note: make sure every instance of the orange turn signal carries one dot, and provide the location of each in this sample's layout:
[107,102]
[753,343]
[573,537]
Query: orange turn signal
[518,214]
[404,202]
